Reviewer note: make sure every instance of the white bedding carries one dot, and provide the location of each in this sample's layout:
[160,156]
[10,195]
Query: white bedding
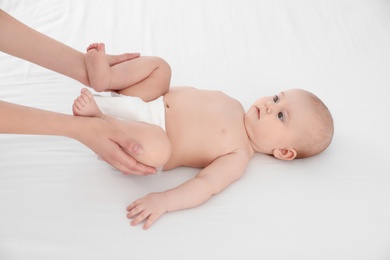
[57,201]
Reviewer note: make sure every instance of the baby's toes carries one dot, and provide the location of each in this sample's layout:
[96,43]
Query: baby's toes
[82,100]
[92,46]
[76,107]
[88,94]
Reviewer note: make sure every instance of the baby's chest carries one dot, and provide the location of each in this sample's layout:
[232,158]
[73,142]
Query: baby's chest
[203,126]
[200,140]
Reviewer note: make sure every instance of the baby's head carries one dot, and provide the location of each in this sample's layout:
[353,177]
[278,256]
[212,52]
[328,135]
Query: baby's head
[292,124]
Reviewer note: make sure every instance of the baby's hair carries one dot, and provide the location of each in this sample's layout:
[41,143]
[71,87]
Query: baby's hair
[319,137]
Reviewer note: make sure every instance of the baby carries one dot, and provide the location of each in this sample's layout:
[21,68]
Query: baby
[198,128]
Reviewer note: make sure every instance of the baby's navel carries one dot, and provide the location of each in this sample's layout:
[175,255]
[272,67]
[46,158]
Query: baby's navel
[222,131]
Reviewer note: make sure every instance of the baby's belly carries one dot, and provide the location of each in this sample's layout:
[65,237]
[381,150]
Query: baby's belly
[197,157]
[194,145]
[201,126]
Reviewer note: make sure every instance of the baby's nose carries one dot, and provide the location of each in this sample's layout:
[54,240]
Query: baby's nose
[268,107]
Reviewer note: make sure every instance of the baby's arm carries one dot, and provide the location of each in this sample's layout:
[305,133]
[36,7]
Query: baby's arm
[211,180]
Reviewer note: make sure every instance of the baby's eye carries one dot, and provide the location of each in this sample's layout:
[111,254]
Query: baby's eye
[281,116]
[275,98]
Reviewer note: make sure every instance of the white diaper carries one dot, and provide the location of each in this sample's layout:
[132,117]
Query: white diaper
[133,108]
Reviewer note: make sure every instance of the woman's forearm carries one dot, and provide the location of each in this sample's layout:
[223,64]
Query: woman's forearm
[17,119]
[21,41]
[102,138]
[26,43]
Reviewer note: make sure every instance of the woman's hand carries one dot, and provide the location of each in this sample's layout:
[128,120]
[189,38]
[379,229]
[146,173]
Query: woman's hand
[112,145]
[105,140]
[108,142]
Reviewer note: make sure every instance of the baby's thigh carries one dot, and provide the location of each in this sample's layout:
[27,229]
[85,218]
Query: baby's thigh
[153,139]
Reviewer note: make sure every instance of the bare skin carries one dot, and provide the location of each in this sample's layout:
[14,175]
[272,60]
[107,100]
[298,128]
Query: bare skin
[144,77]
[185,115]
[102,138]
[222,164]
[204,129]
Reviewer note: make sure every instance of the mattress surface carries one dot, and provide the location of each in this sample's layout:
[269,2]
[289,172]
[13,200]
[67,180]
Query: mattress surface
[57,201]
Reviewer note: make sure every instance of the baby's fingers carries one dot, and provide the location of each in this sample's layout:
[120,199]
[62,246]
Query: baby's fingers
[151,219]
[144,215]
[139,214]
[139,218]
[134,209]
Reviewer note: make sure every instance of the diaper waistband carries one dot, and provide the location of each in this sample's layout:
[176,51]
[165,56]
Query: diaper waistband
[133,108]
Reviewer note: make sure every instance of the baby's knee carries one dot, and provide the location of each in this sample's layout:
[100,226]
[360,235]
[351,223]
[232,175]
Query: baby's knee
[166,68]
[164,65]
[163,70]
[158,150]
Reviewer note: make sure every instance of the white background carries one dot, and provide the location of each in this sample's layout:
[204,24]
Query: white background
[57,201]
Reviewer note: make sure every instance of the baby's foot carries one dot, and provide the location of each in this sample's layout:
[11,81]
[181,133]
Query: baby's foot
[95,46]
[85,105]
[114,59]
[99,71]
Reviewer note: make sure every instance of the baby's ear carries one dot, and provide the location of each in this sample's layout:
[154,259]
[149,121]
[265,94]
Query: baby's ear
[285,154]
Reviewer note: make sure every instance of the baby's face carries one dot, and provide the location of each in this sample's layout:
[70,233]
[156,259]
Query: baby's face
[277,122]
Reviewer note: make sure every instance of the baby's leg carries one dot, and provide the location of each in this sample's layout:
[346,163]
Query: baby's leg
[99,70]
[147,77]
[157,147]
[144,77]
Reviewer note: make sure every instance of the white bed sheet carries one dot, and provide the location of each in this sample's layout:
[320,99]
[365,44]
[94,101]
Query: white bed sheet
[57,201]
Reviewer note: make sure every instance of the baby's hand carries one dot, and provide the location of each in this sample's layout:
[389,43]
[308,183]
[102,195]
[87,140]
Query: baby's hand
[148,208]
